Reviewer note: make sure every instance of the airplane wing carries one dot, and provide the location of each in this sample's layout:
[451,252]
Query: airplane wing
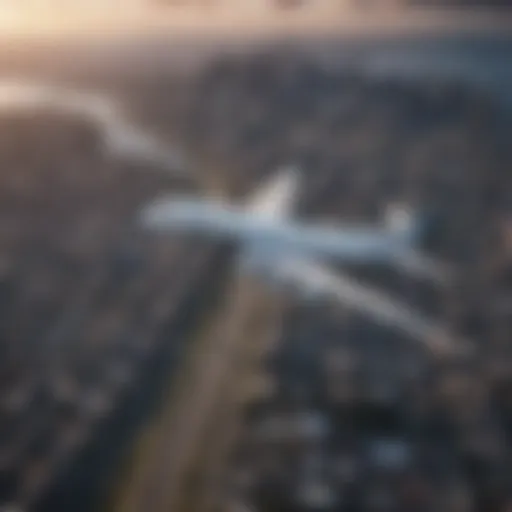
[276,198]
[319,280]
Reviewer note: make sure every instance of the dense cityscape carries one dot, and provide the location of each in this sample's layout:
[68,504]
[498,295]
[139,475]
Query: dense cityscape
[100,319]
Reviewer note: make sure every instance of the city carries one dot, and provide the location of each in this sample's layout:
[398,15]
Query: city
[142,370]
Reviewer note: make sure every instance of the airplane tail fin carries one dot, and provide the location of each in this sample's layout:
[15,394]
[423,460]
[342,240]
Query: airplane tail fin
[419,228]
[404,223]
[415,230]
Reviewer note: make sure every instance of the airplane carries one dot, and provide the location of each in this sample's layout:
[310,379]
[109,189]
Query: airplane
[295,255]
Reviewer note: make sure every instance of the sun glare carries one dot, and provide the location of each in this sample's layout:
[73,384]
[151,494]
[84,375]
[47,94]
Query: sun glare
[18,17]
[86,18]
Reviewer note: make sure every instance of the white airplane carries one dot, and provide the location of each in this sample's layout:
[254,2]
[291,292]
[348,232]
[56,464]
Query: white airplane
[295,255]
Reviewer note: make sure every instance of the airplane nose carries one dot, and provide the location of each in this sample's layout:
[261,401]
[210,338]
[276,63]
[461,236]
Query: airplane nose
[160,214]
[148,217]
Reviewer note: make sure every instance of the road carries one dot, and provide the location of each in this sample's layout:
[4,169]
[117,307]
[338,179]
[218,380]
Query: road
[175,470]
[259,330]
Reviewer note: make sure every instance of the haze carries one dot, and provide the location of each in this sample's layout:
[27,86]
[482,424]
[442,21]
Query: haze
[87,18]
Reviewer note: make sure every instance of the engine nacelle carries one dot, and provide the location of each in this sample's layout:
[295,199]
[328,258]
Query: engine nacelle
[283,283]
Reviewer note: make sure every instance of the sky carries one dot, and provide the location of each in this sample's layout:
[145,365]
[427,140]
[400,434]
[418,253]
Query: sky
[85,17]
[18,16]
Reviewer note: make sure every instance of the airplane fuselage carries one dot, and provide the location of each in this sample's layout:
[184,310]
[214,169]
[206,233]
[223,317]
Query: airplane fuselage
[294,254]
[268,238]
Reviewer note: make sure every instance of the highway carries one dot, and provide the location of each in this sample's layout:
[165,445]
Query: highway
[104,439]
[184,450]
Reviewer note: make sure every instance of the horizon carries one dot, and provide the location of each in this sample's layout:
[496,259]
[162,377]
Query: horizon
[22,21]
